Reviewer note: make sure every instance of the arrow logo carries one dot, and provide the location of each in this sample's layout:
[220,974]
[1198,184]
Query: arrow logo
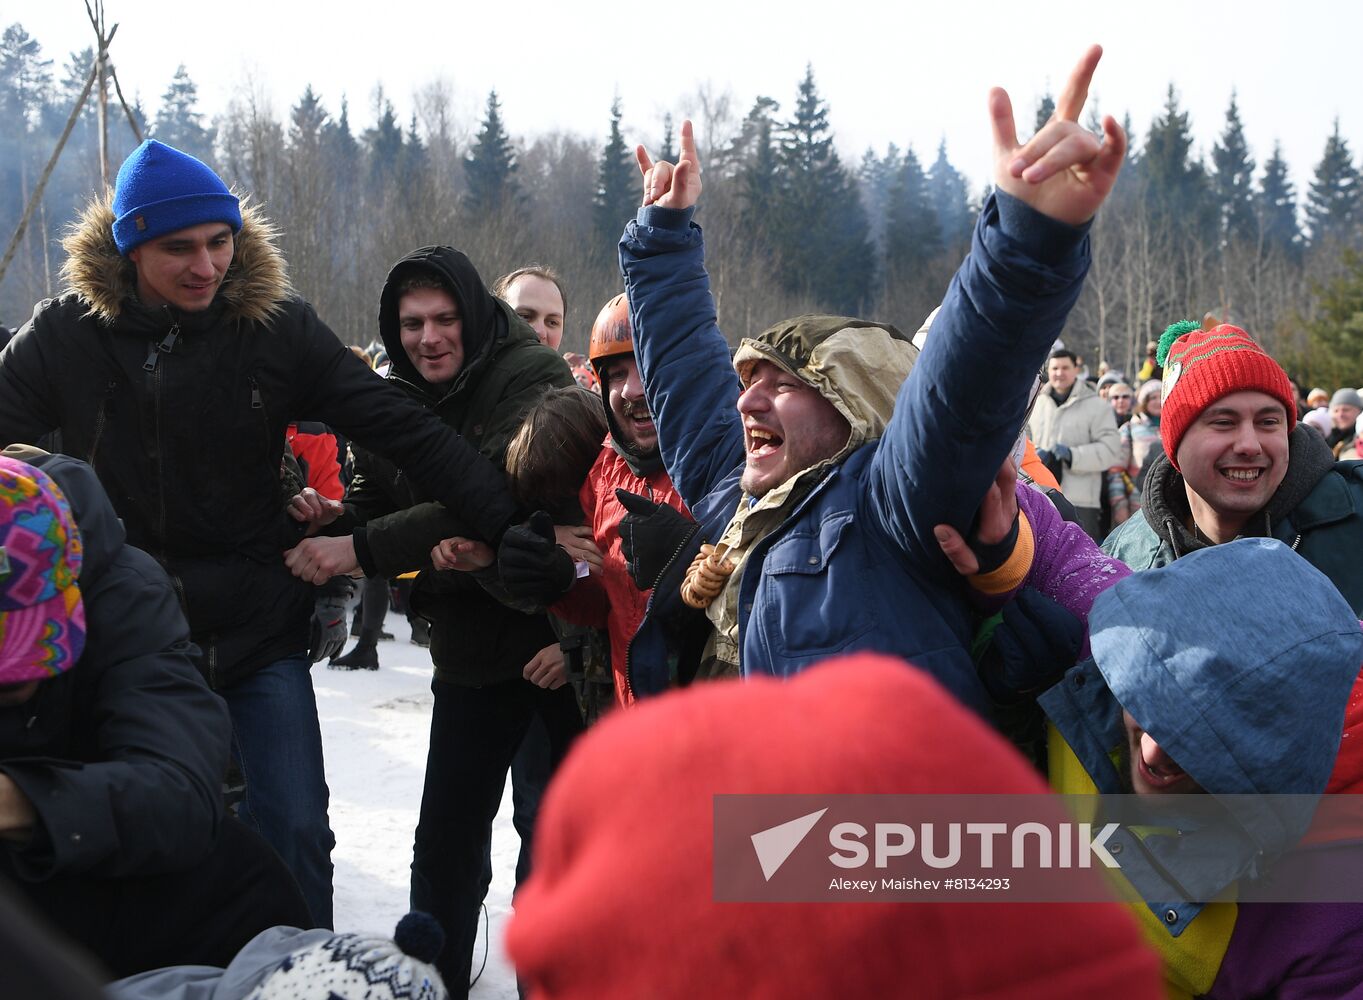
[776,844]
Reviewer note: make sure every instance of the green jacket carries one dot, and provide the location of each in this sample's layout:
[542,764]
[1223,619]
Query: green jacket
[475,640]
[1318,511]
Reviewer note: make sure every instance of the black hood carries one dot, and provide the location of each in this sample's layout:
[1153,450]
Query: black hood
[482,320]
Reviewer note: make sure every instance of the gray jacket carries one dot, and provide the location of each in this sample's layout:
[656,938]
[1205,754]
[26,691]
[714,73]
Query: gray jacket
[1087,426]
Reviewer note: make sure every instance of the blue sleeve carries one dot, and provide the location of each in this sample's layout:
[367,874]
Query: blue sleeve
[683,357]
[961,408]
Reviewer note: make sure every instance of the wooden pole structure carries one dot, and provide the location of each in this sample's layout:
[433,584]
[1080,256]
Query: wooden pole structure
[47,172]
[96,16]
[127,111]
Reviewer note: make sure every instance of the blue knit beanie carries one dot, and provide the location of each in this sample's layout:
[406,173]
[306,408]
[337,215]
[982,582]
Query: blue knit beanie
[161,190]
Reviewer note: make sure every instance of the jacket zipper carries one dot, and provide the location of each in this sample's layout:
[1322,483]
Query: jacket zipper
[211,659]
[152,366]
[100,418]
[258,404]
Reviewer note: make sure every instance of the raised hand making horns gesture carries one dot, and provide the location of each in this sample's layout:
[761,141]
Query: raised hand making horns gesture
[1063,171]
[672,187]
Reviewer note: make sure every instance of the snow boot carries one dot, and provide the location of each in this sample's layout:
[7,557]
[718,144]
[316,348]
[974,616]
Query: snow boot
[365,655]
[421,632]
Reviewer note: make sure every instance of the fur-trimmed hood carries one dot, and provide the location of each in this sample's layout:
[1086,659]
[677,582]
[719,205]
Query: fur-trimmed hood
[255,288]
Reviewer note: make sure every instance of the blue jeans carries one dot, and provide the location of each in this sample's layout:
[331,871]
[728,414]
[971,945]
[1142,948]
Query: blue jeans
[277,743]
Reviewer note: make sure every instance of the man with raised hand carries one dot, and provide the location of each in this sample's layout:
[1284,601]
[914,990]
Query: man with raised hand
[823,485]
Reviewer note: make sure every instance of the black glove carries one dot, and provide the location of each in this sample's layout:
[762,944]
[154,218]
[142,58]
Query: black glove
[1053,464]
[532,565]
[650,535]
[1034,644]
[327,632]
[1061,452]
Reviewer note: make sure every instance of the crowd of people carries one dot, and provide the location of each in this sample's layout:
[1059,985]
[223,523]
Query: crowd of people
[871,559]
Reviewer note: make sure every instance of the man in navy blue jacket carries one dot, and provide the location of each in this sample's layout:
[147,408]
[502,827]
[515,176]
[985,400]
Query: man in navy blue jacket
[823,487]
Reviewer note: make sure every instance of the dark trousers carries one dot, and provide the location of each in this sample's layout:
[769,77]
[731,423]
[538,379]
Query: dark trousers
[531,769]
[475,733]
[203,915]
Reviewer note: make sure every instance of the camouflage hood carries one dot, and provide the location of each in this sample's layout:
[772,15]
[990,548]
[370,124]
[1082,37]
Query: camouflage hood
[254,289]
[856,365]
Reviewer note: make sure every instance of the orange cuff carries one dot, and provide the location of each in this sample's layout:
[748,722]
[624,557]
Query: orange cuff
[1015,568]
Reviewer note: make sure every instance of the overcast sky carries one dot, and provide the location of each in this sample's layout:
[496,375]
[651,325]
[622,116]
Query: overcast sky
[905,75]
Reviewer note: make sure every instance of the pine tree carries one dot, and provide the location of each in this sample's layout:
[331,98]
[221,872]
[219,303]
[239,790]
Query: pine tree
[877,175]
[179,123]
[384,143]
[951,200]
[1276,205]
[1336,335]
[307,119]
[25,83]
[490,167]
[913,235]
[617,185]
[820,227]
[412,161]
[1177,183]
[1332,202]
[1233,179]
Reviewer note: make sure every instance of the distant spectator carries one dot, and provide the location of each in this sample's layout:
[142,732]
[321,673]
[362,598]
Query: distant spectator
[1151,369]
[1318,398]
[1319,418]
[1076,436]
[536,295]
[1345,407]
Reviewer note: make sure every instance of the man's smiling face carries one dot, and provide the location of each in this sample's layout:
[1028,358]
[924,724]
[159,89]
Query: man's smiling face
[787,427]
[432,333]
[1150,770]
[1234,455]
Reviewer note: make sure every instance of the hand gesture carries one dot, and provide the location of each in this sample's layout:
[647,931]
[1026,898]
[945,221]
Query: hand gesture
[1063,171]
[314,510]
[578,542]
[546,669]
[994,522]
[463,554]
[672,187]
[317,560]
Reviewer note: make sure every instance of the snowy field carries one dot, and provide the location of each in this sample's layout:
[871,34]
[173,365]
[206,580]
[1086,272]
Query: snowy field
[375,726]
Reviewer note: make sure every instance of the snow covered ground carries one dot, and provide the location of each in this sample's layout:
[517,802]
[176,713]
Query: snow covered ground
[375,726]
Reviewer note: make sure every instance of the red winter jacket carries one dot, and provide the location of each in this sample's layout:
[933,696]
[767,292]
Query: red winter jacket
[611,600]
[315,446]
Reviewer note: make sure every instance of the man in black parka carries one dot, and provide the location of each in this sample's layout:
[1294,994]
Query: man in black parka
[173,366]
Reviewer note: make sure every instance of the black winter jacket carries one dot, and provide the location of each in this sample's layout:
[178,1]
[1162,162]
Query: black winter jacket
[475,639]
[122,756]
[183,417]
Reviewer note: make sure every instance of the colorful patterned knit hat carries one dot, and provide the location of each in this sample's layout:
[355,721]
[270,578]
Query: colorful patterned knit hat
[42,619]
[363,967]
[1201,366]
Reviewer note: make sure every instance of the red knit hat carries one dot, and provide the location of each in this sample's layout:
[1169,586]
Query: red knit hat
[1201,366]
[621,899]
